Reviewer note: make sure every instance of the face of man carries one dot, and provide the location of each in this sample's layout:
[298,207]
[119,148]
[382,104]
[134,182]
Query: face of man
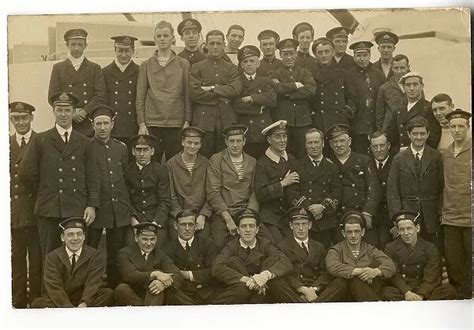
[248,230]
[235,38]
[64,115]
[341,145]
[73,238]
[103,127]
[386,50]
[76,47]
[278,141]
[124,55]
[288,57]
[305,38]
[314,144]
[235,144]
[380,147]
[353,233]
[22,122]
[418,136]
[340,45]
[191,145]
[164,38]
[190,38]
[362,58]
[324,54]
[408,231]
[400,68]
[413,88]
[459,128]
[300,228]
[143,154]
[146,241]
[268,47]
[215,46]
[250,64]
[440,110]
[186,227]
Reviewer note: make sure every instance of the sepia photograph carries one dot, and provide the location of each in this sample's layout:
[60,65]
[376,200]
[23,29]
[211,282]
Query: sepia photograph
[283,158]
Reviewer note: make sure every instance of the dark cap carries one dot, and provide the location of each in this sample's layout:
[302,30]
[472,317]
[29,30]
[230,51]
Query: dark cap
[72,222]
[124,41]
[301,27]
[405,215]
[319,41]
[267,34]
[189,24]
[355,216]
[337,130]
[146,227]
[386,37]
[102,110]
[64,98]
[458,113]
[20,108]
[235,130]
[297,213]
[247,213]
[192,131]
[361,45]
[75,34]
[143,139]
[276,127]
[247,51]
[287,44]
[339,31]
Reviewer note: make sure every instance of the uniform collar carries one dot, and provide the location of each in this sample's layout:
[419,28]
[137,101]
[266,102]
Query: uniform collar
[274,157]
[122,67]
[27,136]
[304,241]
[140,167]
[414,152]
[70,253]
[245,246]
[61,130]
[183,242]
[250,76]
[76,62]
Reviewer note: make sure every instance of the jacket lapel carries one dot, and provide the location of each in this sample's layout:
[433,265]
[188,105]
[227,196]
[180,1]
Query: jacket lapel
[410,160]
[62,254]
[415,111]
[56,140]
[72,144]
[85,255]
[229,163]
[426,159]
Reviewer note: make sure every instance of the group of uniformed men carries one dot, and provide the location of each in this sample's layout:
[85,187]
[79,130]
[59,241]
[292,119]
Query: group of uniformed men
[295,180]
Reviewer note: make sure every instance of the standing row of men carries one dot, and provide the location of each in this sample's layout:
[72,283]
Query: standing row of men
[93,180]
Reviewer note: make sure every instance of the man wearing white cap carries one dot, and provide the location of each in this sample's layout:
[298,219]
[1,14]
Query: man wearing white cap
[272,176]
[415,105]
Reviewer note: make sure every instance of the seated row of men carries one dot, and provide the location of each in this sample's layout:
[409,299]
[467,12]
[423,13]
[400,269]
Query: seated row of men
[216,190]
[249,269]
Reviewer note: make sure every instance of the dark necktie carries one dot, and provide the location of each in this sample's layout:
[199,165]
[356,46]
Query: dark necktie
[417,164]
[144,255]
[282,160]
[248,250]
[187,247]
[315,163]
[73,262]
[66,140]
[305,248]
[23,142]
[250,78]
[380,165]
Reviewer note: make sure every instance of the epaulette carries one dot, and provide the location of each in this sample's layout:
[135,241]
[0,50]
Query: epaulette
[118,141]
